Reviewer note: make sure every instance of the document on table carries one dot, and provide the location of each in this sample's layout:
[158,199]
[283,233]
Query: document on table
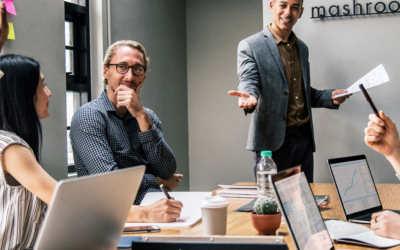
[346,232]
[374,78]
[238,186]
[191,211]
[238,192]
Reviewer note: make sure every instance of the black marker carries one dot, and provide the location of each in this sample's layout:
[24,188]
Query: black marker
[364,91]
[165,191]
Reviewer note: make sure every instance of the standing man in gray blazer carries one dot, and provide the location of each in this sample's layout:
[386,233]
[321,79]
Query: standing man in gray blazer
[274,85]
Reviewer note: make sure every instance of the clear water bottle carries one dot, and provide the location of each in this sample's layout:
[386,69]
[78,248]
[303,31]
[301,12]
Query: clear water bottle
[265,168]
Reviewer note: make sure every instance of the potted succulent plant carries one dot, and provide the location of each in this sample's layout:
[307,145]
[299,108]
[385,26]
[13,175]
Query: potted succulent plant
[266,219]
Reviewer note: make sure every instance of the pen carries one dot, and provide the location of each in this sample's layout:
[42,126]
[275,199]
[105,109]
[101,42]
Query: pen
[364,91]
[165,191]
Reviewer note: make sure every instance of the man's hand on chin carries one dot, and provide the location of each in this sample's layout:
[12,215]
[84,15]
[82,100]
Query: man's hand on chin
[129,98]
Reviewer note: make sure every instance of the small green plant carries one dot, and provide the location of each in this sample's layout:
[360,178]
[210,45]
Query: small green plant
[265,206]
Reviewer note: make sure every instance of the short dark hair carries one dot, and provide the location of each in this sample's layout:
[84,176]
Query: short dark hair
[17,106]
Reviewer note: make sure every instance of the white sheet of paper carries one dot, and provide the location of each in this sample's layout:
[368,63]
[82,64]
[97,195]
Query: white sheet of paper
[237,186]
[374,78]
[237,191]
[191,211]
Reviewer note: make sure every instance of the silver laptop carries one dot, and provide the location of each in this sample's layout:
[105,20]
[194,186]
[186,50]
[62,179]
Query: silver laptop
[89,212]
[356,188]
[297,203]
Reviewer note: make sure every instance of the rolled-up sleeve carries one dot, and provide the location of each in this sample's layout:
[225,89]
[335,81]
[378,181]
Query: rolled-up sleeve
[160,158]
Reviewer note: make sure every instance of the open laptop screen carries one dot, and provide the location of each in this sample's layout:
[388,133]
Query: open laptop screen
[303,218]
[355,185]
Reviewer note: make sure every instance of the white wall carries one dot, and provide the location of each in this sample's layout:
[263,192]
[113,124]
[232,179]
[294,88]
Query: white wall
[40,35]
[217,127]
[342,50]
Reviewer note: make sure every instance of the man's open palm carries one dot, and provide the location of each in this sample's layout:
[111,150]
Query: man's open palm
[246,101]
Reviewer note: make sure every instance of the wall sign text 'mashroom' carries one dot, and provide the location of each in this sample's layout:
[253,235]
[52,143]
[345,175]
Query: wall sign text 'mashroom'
[378,8]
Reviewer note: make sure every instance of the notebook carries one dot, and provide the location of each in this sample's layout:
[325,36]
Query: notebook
[346,232]
[89,212]
[356,188]
[297,203]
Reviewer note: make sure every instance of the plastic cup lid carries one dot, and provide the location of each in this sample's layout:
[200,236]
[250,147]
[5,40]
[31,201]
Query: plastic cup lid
[214,202]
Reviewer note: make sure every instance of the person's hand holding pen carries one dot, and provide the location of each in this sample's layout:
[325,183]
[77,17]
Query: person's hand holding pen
[164,210]
[172,183]
[382,141]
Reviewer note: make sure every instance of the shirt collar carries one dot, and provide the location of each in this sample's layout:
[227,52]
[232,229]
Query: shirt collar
[278,39]
[108,106]
[106,101]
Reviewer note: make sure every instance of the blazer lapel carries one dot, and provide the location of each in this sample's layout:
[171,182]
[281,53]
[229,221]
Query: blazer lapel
[273,47]
[304,64]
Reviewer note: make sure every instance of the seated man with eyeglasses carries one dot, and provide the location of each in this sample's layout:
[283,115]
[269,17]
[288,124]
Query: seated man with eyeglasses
[115,131]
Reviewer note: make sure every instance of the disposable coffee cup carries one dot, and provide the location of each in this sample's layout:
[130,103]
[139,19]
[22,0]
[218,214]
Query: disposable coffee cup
[214,210]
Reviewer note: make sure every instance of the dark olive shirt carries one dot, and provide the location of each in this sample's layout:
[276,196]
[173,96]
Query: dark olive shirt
[297,114]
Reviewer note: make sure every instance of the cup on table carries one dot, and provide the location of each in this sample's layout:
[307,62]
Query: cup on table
[214,210]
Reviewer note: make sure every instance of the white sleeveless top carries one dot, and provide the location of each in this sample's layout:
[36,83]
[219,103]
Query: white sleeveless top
[21,212]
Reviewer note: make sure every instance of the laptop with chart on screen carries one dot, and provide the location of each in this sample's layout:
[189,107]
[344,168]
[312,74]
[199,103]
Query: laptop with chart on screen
[356,188]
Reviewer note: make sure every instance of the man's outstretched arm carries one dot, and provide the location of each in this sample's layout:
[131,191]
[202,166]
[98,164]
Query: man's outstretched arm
[249,81]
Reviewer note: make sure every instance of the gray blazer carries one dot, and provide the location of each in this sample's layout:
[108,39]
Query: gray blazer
[261,74]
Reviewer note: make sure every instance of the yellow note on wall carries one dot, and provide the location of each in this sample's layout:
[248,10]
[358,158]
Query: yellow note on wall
[11,34]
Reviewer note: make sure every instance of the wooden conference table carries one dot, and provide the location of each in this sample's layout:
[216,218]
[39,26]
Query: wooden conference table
[239,223]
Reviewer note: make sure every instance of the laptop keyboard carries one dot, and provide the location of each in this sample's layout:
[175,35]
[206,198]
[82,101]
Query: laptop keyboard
[364,218]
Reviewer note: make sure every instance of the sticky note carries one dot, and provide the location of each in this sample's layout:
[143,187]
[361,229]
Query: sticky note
[11,34]
[10,6]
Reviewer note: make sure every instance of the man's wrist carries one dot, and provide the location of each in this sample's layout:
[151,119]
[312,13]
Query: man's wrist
[394,159]
[159,181]
[140,114]
[395,153]
[137,214]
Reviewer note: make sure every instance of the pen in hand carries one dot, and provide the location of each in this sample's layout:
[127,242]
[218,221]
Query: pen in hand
[165,191]
[369,100]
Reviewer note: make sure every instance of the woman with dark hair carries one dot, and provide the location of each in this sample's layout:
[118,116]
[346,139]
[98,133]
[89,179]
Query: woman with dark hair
[25,187]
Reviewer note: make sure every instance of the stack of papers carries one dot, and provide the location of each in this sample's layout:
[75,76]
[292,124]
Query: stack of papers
[237,191]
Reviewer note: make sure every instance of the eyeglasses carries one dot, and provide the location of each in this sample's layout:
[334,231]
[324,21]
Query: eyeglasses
[137,70]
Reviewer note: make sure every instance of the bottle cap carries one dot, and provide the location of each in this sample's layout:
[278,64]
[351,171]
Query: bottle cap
[266,153]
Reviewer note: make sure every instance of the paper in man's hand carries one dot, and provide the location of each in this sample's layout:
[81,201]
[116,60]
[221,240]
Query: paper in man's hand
[374,78]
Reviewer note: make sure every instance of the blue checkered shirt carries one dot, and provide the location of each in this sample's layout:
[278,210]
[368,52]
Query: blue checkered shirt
[104,141]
